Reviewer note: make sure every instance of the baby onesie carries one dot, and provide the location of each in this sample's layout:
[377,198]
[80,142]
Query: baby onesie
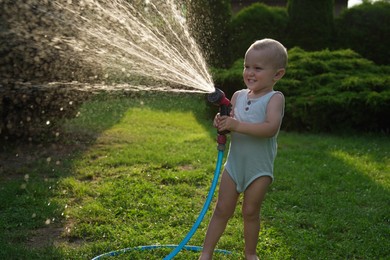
[250,157]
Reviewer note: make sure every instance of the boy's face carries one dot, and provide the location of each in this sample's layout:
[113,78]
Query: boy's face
[259,72]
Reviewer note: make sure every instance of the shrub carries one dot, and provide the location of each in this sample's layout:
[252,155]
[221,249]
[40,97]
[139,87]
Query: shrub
[253,23]
[327,91]
[366,29]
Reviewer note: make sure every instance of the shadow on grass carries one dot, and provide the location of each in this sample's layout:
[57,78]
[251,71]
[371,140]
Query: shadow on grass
[31,215]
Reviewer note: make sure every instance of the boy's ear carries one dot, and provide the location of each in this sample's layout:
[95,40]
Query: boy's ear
[279,74]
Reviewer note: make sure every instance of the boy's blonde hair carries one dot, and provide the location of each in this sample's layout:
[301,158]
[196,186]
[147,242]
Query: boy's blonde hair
[278,51]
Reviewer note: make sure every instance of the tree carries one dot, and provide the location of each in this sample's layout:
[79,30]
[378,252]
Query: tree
[365,28]
[310,23]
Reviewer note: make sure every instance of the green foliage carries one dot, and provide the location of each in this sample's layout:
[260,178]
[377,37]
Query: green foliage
[208,22]
[255,22]
[327,91]
[365,28]
[310,24]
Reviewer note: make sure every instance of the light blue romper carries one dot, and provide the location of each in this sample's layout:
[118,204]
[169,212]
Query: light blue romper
[250,157]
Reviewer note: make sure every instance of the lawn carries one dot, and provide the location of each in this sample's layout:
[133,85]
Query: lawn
[135,169]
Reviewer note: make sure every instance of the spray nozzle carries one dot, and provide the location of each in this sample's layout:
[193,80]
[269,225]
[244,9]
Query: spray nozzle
[218,98]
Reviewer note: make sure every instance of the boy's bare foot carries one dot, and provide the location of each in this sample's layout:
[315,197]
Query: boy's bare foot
[251,257]
[205,257]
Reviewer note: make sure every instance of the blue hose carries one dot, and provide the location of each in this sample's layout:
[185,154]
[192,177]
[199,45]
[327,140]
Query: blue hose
[204,209]
[182,245]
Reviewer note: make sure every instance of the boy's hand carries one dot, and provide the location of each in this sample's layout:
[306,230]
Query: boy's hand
[226,123]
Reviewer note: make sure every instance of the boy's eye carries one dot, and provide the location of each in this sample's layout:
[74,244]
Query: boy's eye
[255,67]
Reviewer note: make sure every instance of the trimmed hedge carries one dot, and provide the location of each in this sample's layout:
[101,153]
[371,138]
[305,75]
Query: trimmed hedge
[327,91]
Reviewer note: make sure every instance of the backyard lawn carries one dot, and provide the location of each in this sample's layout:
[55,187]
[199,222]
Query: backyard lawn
[135,169]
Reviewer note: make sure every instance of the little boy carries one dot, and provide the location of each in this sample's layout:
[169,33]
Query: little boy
[254,124]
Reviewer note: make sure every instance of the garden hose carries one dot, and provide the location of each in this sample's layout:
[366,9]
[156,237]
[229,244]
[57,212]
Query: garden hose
[182,245]
[203,211]
[219,99]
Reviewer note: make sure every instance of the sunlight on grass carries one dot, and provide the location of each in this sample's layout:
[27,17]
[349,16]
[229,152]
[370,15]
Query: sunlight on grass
[378,172]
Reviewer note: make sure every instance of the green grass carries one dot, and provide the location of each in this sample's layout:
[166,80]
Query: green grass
[135,170]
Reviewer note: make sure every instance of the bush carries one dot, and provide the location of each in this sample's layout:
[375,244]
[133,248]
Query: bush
[327,91]
[366,29]
[255,22]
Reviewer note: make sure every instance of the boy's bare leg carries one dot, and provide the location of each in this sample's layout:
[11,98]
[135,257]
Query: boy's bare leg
[226,204]
[253,198]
